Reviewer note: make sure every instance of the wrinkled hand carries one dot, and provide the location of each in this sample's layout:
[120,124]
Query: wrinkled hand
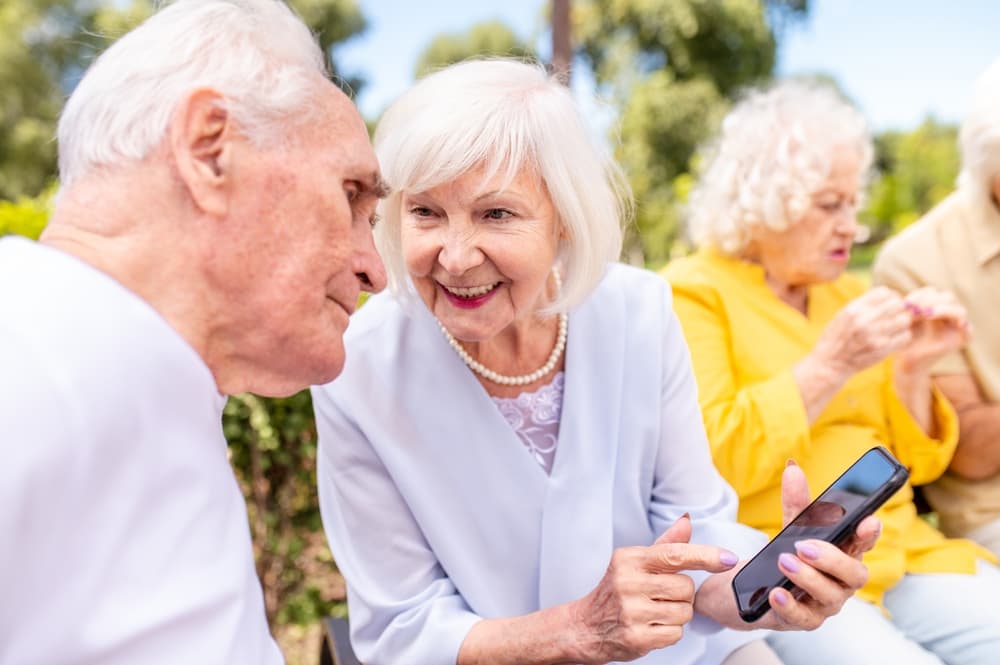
[939,325]
[644,599]
[867,330]
[826,576]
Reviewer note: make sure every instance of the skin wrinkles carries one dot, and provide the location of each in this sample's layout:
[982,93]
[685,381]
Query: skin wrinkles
[260,254]
[816,248]
[470,232]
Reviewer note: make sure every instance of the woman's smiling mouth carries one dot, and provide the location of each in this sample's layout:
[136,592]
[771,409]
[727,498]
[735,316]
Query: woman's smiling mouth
[469,297]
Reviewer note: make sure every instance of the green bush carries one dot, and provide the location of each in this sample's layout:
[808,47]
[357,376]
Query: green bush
[272,444]
[26,216]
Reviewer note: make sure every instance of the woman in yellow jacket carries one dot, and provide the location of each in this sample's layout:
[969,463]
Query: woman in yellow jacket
[796,360]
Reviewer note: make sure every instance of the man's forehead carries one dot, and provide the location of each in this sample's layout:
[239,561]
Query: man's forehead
[346,142]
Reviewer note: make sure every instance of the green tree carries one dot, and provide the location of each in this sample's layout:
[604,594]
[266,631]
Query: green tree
[482,39]
[914,171]
[26,216]
[672,66]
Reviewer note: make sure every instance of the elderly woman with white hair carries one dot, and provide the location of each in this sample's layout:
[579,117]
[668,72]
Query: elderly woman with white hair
[956,246]
[794,359]
[513,468]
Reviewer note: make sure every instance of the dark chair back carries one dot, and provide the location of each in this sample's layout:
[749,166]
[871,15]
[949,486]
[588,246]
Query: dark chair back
[336,647]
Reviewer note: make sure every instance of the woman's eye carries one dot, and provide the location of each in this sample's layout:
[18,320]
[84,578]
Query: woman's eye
[420,211]
[498,213]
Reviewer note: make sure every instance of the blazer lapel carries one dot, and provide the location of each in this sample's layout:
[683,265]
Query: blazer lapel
[577,524]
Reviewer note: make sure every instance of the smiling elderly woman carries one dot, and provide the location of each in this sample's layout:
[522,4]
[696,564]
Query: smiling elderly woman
[795,360]
[513,463]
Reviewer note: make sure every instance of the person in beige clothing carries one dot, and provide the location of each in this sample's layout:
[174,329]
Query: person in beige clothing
[956,246]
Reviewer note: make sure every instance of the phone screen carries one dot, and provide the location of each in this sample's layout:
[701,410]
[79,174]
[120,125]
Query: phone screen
[832,517]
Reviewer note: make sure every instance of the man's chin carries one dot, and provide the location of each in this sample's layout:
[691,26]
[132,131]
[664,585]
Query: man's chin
[288,385]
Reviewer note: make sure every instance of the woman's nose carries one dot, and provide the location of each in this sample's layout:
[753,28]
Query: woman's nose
[847,222]
[460,251]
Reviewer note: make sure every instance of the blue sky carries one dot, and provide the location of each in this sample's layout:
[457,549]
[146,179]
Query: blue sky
[900,60]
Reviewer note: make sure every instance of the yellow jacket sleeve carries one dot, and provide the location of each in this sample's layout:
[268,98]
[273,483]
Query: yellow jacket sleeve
[926,457]
[752,429]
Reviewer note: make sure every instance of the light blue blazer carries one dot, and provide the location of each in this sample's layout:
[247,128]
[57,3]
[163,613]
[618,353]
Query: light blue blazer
[437,514]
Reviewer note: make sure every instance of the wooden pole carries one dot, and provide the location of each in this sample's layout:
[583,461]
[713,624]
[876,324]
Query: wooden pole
[562,50]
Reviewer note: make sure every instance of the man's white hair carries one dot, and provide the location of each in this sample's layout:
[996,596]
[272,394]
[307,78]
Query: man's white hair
[979,138]
[257,53]
[775,149]
[506,115]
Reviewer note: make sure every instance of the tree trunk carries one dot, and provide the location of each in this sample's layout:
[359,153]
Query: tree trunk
[562,49]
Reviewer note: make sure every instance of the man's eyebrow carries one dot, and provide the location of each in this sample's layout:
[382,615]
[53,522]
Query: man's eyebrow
[375,186]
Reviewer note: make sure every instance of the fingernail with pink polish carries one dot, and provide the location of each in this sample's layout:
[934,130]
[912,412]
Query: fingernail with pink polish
[728,558]
[789,562]
[781,597]
[807,551]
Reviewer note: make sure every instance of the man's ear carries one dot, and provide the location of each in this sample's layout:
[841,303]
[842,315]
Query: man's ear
[201,139]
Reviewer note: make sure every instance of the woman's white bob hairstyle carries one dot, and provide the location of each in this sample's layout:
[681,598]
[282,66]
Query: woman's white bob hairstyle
[773,153]
[256,53]
[506,115]
[979,138]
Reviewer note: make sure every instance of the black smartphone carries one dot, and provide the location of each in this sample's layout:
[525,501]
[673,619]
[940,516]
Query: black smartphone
[833,517]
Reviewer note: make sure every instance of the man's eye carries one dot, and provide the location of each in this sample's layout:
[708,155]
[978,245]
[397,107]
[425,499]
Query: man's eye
[421,211]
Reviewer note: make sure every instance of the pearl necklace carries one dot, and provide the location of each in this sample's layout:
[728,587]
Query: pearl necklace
[524,379]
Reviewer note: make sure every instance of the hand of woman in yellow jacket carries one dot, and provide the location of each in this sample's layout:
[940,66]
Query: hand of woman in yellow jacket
[939,325]
[866,331]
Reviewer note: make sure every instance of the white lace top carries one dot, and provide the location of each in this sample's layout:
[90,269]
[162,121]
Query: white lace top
[535,419]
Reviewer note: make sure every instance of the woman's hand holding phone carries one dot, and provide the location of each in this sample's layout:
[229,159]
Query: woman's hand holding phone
[825,575]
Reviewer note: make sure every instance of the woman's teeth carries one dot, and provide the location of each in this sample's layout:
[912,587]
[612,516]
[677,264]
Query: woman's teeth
[470,292]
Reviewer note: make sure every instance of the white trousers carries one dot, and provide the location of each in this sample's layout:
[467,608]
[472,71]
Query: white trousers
[935,619]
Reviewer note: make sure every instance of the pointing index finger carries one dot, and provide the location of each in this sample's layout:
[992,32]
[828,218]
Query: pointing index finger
[679,557]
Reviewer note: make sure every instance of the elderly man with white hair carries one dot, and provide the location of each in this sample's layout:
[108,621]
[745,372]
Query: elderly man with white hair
[212,235]
[956,246]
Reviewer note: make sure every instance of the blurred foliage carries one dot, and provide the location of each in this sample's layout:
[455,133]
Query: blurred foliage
[26,216]
[482,39]
[915,170]
[272,442]
[672,67]
[334,22]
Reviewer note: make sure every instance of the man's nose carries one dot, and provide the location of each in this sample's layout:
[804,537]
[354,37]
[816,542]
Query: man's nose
[368,266]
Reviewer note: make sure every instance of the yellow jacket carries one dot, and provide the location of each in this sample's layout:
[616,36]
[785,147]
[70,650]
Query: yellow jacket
[744,342]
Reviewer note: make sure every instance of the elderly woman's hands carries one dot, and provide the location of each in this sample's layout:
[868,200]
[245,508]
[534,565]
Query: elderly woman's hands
[864,332]
[939,325]
[826,576]
[920,327]
[644,598]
